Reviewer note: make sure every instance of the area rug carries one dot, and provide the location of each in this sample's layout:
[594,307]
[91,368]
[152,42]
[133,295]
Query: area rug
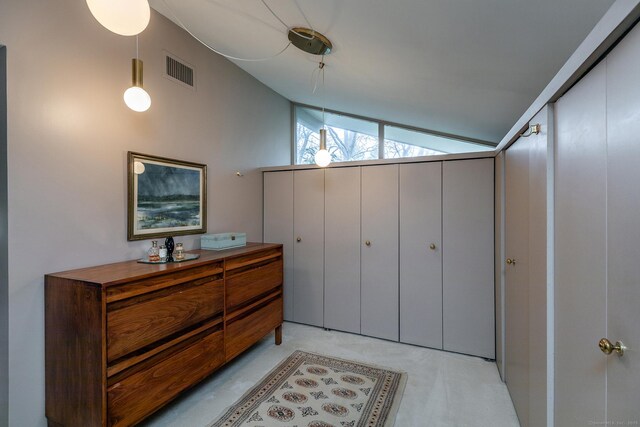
[312,390]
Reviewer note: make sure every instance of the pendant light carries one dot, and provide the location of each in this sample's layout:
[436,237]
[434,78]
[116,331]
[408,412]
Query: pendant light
[136,97]
[322,157]
[124,17]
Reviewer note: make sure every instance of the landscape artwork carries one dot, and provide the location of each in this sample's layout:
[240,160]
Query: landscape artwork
[167,197]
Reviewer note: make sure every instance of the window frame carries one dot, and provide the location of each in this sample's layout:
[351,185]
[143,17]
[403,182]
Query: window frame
[381,129]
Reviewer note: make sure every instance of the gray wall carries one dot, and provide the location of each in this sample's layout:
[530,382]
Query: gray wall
[4,275]
[68,134]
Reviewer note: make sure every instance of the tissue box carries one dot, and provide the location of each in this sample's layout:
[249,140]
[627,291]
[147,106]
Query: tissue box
[218,242]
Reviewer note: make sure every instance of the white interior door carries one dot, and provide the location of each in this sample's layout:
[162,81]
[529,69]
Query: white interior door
[467,257]
[597,234]
[278,226]
[580,251]
[308,253]
[517,277]
[342,249]
[421,254]
[623,229]
[379,252]
[525,263]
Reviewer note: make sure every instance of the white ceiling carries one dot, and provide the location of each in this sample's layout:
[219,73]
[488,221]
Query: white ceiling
[465,67]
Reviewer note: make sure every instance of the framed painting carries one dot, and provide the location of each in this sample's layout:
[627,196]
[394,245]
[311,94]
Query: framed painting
[166,197]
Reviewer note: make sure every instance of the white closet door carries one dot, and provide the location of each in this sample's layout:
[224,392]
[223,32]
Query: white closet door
[421,254]
[380,256]
[538,266]
[467,251]
[623,230]
[342,249]
[308,253]
[278,226]
[580,251]
[517,276]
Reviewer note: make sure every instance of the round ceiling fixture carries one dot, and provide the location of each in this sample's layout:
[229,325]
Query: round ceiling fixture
[310,41]
[124,17]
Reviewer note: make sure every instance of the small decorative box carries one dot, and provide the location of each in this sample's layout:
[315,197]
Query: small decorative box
[218,242]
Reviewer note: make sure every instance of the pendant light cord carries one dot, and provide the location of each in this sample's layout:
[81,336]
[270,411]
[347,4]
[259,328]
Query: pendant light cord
[315,78]
[304,16]
[137,50]
[324,95]
[288,27]
[217,51]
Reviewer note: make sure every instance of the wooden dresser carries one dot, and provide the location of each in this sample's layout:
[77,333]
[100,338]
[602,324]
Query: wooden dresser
[122,340]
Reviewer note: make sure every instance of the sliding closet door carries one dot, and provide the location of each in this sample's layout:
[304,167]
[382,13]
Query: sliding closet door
[421,254]
[308,253]
[342,249]
[467,257]
[278,226]
[517,276]
[539,224]
[581,252]
[499,264]
[623,230]
[379,245]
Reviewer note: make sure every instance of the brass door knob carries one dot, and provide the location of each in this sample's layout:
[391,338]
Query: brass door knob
[511,261]
[607,347]
[432,246]
[368,243]
[299,239]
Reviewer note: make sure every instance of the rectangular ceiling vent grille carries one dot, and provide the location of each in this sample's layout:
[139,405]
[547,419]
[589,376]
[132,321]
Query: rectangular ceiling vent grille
[178,71]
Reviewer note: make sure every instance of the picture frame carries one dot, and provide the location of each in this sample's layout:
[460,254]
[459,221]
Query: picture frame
[166,197]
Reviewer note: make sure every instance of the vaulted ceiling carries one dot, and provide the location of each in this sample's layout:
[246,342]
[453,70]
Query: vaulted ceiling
[465,67]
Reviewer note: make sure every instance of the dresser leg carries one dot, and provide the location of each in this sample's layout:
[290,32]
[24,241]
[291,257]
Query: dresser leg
[279,335]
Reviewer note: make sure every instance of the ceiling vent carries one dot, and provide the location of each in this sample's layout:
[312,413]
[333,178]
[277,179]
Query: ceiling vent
[179,71]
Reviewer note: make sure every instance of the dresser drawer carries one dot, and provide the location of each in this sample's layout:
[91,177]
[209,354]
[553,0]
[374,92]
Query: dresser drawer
[246,330]
[122,291]
[248,285]
[138,395]
[237,264]
[136,323]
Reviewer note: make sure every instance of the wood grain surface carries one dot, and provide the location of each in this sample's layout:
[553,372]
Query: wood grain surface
[245,331]
[122,272]
[133,327]
[73,353]
[124,339]
[140,394]
[246,286]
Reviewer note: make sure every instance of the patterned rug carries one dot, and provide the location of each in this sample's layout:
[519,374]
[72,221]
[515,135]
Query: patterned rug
[311,390]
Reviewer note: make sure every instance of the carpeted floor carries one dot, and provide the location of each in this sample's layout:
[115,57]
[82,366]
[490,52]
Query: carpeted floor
[443,389]
[314,390]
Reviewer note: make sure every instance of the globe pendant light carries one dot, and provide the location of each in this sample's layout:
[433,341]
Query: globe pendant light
[322,157]
[124,17]
[136,97]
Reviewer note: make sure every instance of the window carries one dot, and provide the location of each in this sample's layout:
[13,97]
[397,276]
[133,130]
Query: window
[348,139]
[402,142]
[398,150]
[354,139]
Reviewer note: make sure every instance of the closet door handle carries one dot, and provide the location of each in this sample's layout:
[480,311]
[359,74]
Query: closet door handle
[368,243]
[299,239]
[511,261]
[607,347]
[432,246]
